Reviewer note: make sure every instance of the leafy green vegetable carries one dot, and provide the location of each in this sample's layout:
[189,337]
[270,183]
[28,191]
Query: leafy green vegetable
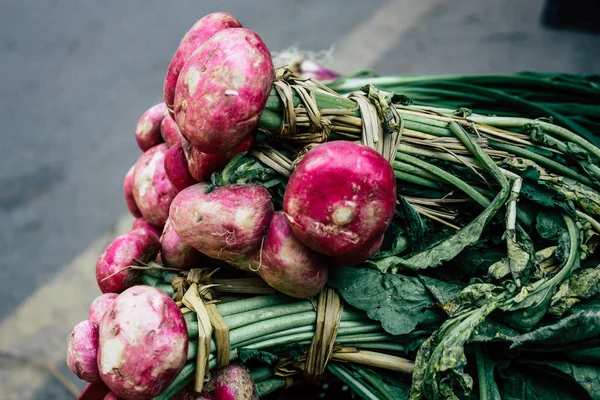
[588,376]
[488,388]
[583,284]
[400,303]
[264,357]
[534,385]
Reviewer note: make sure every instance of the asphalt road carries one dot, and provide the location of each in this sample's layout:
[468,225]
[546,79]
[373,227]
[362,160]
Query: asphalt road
[76,76]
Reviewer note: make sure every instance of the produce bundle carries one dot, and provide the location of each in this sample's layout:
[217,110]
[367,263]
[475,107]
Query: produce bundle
[420,238]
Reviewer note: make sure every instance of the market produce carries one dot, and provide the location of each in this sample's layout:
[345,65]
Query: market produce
[112,272]
[418,249]
[142,343]
[222,89]
[128,191]
[141,223]
[147,131]
[226,223]
[195,37]
[170,132]
[152,190]
[233,382]
[176,168]
[100,305]
[174,252]
[286,264]
[82,350]
[340,198]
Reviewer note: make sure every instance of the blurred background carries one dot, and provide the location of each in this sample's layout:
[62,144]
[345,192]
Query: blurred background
[76,76]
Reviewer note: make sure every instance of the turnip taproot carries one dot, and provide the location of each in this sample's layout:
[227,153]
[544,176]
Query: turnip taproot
[147,131]
[128,191]
[176,168]
[143,343]
[340,197]
[202,165]
[222,90]
[170,132]
[356,257]
[112,273]
[175,253]
[111,396]
[199,33]
[141,223]
[82,351]
[286,264]
[226,223]
[232,382]
[152,190]
[100,305]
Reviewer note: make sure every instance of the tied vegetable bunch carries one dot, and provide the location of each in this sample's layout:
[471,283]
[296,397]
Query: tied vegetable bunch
[394,230]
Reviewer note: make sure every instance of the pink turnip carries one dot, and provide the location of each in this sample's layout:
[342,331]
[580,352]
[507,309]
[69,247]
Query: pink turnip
[147,131]
[82,351]
[112,273]
[141,223]
[340,197]
[142,343]
[202,165]
[176,168]
[355,258]
[100,305]
[232,382]
[226,223]
[222,90]
[152,190]
[111,396]
[170,132]
[286,264]
[128,191]
[199,33]
[175,253]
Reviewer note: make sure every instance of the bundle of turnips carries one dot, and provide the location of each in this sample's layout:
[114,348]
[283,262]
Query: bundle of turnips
[406,251]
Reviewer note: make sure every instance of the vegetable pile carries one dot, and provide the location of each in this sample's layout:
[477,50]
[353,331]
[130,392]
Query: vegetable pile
[406,237]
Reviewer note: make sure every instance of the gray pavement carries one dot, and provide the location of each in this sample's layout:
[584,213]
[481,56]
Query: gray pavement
[76,76]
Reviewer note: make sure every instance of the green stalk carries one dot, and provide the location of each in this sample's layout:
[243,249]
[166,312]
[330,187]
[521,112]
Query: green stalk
[445,176]
[376,383]
[415,180]
[356,386]
[262,373]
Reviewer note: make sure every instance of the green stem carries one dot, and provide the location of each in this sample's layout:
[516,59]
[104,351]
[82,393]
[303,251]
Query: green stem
[376,383]
[262,373]
[269,386]
[415,180]
[354,383]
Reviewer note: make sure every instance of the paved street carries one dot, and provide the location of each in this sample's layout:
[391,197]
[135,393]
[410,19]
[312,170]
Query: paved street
[76,76]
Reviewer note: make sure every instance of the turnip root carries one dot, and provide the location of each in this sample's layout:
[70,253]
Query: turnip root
[139,244]
[128,191]
[222,90]
[100,305]
[226,223]
[147,131]
[199,33]
[286,264]
[232,382]
[111,396]
[141,223]
[82,350]
[152,190]
[202,165]
[340,197]
[170,132]
[355,258]
[143,343]
[175,253]
[176,168]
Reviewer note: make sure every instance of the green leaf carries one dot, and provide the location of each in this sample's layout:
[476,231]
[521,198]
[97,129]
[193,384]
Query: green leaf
[492,330]
[264,357]
[574,328]
[583,284]
[439,366]
[586,356]
[587,376]
[488,389]
[534,385]
[549,225]
[442,291]
[400,302]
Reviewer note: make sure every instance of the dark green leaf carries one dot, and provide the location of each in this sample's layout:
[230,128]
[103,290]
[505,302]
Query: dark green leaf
[491,330]
[549,225]
[439,366]
[400,302]
[583,284]
[574,328]
[587,376]
[587,356]
[264,357]
[534,385]
[442,291]
[488,389]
